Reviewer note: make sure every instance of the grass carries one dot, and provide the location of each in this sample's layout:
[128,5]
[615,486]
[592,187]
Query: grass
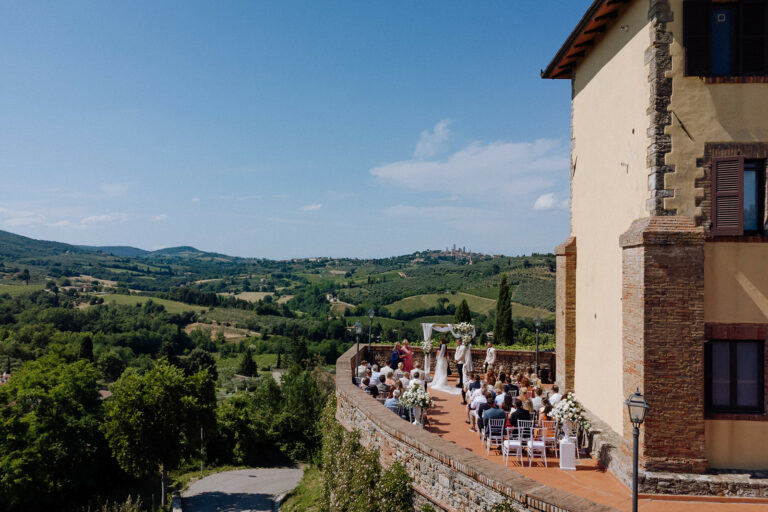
[307,495]
[170,305]
[16,290]
[429,300]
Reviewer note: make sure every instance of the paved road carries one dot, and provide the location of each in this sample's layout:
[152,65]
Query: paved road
[243,490]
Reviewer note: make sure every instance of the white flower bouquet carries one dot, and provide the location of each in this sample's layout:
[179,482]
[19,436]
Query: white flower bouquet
[465,330]
[415,396]
[570,409]
[426,346]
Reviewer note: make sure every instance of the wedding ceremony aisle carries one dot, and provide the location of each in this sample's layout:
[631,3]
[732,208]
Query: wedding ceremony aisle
[447,418]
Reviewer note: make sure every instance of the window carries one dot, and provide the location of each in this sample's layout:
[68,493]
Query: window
[725,38]
[735,377]
[738,196]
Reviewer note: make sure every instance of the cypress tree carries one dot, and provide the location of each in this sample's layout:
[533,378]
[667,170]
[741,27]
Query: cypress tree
[462,313]
[86,349]
[502,330]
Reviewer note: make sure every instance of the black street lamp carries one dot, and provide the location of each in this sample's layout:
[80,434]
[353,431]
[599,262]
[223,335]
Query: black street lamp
[371,312]
[358,330]
[637,407]
[537,323]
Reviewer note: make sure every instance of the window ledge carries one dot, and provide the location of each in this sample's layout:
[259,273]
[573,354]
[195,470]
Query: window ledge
[736,417]
[745,239]
[762,79]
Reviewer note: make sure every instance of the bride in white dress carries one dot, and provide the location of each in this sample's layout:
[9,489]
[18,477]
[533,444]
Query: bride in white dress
[440,381]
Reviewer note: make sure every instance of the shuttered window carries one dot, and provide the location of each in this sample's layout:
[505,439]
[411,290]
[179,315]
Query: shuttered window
[725,38]
[728,196]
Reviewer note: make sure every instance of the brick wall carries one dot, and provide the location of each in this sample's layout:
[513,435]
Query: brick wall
[514,360]
[444,474]
[565,293]
[663,339]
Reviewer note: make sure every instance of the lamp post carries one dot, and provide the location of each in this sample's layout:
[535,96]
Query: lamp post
[371,312]
[358,330]
[537,323]
[637,408]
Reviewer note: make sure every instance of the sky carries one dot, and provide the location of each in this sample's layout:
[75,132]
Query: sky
[286,128]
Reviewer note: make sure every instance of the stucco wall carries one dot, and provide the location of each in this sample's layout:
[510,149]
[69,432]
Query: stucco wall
[737,444]
[610,124]
[736,282]
[711,113]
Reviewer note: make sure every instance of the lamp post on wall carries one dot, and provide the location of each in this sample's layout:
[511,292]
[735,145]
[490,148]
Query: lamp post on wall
[358,330]
[371,312]
[637,408]
[537,323]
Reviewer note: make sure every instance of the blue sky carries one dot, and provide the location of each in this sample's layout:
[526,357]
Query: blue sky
[286,129]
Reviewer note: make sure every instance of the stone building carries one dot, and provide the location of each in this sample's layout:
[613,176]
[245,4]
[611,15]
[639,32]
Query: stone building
[663,283]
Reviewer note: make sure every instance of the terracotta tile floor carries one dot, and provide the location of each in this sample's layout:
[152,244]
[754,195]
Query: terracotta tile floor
[447,419]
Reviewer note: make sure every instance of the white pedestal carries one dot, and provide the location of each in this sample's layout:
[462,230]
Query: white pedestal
[567,455]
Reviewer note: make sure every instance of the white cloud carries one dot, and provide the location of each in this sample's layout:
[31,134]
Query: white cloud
[195,199]
[548,202]
[311,207]
[431,142]
[160,218]
[493,171]
[114,189]
[106,218]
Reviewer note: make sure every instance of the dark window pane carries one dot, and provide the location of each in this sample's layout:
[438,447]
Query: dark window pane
[722,37]
[747,374]
[721,374]
[751,201]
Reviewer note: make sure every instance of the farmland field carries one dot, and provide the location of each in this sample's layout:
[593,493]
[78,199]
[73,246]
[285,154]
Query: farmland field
[249,296]
[425,301]
[170,305]
[21,289]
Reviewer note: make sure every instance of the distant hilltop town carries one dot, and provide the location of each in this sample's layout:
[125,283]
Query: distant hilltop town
[450,253]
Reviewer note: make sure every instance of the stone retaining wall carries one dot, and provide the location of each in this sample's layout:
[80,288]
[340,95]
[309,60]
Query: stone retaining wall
[508,360]
[444,474]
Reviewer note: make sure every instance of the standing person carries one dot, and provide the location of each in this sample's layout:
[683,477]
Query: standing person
[407,355]
[459,358]
[440,381]
[395,358]
[490,356]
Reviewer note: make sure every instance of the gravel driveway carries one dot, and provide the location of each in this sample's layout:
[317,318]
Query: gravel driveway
[243,490]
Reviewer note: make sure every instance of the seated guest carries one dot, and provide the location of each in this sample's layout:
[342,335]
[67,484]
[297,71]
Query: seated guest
[476,398]
[369,374]
[546,410]
[524,381]
[475,384]
[390,379]
[362,369]
[481,408]
[519,414]
[555,396]
[509,403]
[416,379]
[375,373]
[502,377]
[383,388]
[499,394]
[528,406]
[370,388]
[393,398]
[537,399]
[490,377]
[364,383]
[508,386]
[494,413]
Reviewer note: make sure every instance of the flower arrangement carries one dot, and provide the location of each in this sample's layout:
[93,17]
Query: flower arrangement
[426,346]
[465,330]
[570,409]
[415,396]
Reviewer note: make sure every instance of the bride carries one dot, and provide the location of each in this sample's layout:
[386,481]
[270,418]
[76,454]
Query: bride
[440,381]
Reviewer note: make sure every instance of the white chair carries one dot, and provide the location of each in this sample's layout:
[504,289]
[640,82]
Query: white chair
[515,442]
[549,429]
[537,446]
[495,435]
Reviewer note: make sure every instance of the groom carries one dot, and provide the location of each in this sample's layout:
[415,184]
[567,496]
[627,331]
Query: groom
[459,357]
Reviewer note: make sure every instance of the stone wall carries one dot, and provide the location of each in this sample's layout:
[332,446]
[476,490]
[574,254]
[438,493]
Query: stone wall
[444,474]
[516,360]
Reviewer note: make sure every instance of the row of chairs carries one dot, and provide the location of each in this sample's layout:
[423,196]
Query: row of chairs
[533,441]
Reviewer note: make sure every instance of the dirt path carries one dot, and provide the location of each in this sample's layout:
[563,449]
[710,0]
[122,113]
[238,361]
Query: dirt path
[243,490]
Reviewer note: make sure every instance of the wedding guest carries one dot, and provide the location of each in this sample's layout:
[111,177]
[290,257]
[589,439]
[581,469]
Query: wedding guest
[372,389]
[490,377]
[393,398]
[519,414]
[407,356]
[390,379]
[537,399]
[500,394]
[545,413]
[383,387]
[509,403]
[476,397]
[555,396]
[508,386]
[490,356]
[528,406]
[395,358]
[375,373]
[494,413]
[502,377]
[365,383]
[482,407]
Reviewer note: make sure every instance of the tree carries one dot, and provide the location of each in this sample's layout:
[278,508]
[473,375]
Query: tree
[51,450]
[86,348]
[25,276]
[153,420]
[200,360]
[247,365]
[503,333]
[462,313]
[110,364]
